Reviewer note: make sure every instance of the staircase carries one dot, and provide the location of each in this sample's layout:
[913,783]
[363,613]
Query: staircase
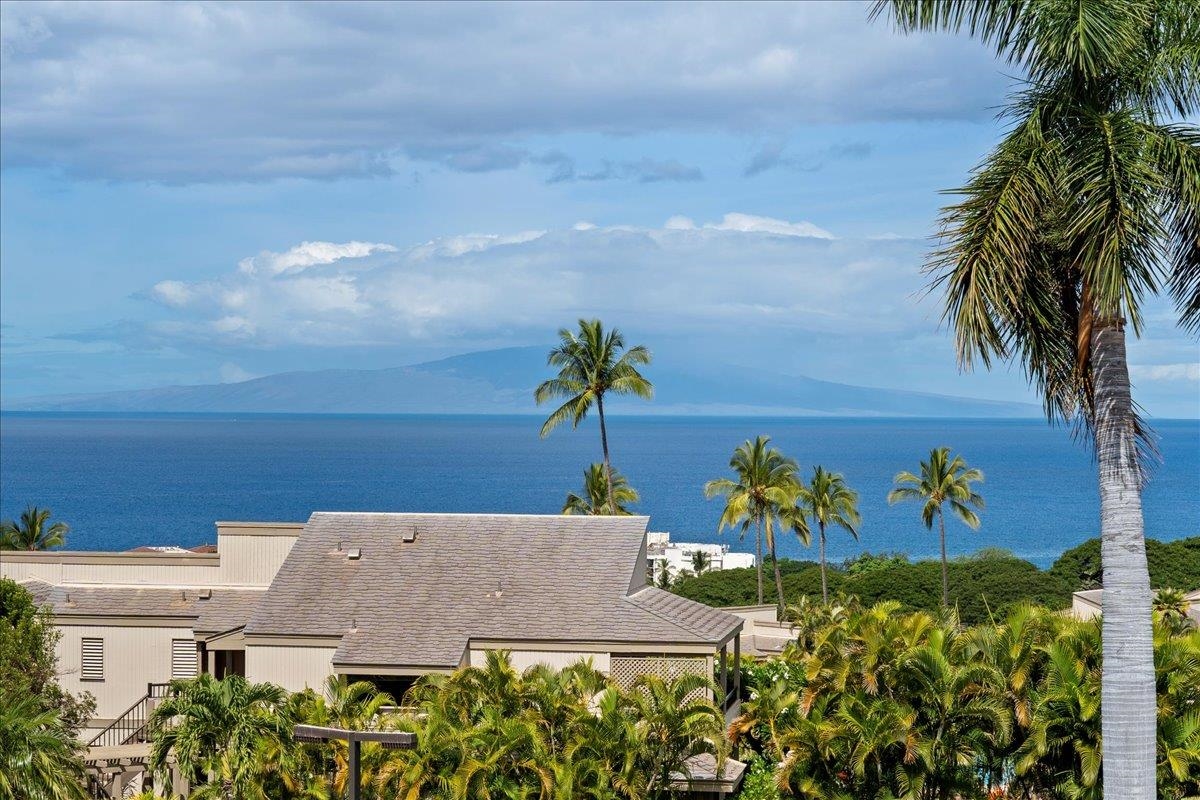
[130,727]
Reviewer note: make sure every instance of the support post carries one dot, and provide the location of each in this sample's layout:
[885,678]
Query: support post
[737,667]
[725,676]
[354,746]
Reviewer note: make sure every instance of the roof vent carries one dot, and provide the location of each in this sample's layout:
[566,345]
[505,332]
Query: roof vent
[409,535]
[354,554]
[206,594]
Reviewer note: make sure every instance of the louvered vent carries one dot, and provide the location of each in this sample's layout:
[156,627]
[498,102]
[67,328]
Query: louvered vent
[92,660]
[183,659]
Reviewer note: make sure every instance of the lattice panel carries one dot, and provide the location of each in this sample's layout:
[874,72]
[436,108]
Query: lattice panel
[626,671]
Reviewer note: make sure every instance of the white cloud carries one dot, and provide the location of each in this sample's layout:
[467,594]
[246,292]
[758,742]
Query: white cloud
[748,223]
[1165,372]
[173,293]
[309,254]
[188,92]
[743,269]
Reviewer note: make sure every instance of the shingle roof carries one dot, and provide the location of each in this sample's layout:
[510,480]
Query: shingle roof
[227,609]
[473,576]
[224,610]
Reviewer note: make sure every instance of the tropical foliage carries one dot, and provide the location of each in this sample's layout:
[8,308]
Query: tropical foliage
[871,702]
[31,532]
[226,736]
[39,755]
[594,498]
[944,480]
[1089,204]
[827,500]
[592,363]
[28,666]
[763,488]
[482,732]
[982,586]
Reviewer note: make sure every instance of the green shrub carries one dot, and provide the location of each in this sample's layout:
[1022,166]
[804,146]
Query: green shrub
[1175,564]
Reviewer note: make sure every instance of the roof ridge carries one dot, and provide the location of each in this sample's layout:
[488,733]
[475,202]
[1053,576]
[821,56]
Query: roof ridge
[570,518]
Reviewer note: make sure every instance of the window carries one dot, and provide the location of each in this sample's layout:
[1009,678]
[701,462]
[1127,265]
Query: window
[92,660]
[183,659]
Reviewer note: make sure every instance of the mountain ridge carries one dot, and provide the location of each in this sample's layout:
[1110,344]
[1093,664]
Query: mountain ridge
[501,381]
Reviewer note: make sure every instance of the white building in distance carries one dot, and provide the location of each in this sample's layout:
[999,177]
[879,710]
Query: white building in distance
[679,556]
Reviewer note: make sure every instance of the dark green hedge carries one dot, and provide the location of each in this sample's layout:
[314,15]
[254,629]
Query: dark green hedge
[980,586]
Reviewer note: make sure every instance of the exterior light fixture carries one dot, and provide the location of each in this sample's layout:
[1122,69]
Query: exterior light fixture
[389,740]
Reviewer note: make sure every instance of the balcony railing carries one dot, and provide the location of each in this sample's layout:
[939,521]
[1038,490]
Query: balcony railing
[130,727]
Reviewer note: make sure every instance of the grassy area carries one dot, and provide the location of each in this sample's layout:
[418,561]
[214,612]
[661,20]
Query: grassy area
[981,585]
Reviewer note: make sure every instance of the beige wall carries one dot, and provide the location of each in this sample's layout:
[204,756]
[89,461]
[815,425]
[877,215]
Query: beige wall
[293,668]
[250,553]
[133,657]
[523,659]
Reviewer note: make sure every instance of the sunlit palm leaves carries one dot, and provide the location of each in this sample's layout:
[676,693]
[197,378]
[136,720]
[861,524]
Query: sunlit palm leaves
[594,497]
[30,532]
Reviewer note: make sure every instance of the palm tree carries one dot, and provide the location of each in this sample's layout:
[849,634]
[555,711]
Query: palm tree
[591,364]
[31,533]
[594,499]
[943,480]
[218,731]
[701,561]
[1090,202]
[765,484]
[39,758]
[829,501]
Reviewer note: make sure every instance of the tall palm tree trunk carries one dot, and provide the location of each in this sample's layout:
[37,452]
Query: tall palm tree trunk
[612,501]
[778,578]
[824,585]
[758,558]
[945,573]
[1127,686]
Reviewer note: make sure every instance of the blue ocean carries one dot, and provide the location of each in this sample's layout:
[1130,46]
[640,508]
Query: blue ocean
[121,481]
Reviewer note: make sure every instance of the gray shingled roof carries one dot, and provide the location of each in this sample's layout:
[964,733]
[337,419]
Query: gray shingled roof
[491,577]
[224,610]
[227,609]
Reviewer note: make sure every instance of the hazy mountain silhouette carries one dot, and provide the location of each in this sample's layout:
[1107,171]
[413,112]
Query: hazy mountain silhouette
[502,382]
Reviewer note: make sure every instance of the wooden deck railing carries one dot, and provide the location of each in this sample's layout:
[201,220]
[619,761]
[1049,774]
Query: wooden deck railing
[130,727]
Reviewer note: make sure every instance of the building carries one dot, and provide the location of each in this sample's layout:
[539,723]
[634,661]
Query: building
[1088,603]
[386,597]
[679,557]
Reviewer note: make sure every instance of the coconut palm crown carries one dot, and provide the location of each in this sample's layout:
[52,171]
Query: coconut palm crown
[764,486]
[31,533]
[827,500]
[1089,203]
[594,499]
[943,480]
[592,363]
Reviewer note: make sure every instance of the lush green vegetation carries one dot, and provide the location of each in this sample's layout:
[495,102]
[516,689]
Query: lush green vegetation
[486,732]
[871,702]
[39,755]
[31,531]
[981,586]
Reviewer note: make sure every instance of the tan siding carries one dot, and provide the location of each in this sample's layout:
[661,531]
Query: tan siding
[48,571]
[523,659]
[293,668]
[249,560]
[133,657]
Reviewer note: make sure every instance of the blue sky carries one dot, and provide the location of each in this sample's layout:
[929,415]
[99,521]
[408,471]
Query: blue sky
[195,193]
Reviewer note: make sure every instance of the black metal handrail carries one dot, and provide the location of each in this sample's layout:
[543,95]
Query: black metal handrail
[130,727]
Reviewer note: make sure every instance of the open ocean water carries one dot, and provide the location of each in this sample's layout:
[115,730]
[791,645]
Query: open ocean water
[126,480]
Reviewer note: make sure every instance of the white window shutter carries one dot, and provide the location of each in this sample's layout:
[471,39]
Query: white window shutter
[92,660]
[183,659]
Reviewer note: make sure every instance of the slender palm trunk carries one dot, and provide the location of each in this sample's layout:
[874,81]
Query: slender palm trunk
[758,558]
[1127,687]
[612,502]
[945,575]
[824,585]
[778,577]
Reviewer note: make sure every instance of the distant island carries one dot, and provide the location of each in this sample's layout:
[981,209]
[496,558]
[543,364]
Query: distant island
[502,382]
